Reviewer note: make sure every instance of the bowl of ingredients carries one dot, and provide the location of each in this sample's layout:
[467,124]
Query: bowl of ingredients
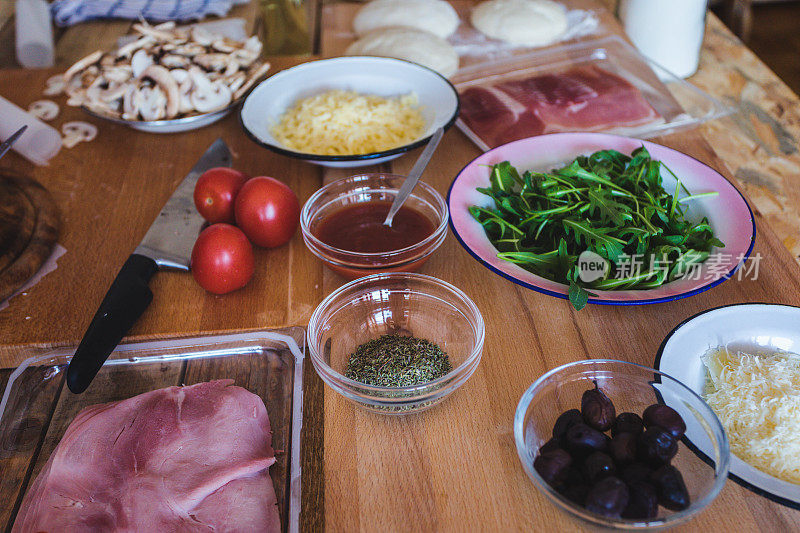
[744,360]
[342,224]
[614,444]
[396,343]
[168,79]
[600,218]
[349,111]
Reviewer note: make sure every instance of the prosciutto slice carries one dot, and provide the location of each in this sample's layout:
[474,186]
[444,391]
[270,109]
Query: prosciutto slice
[583,98]
[177,459]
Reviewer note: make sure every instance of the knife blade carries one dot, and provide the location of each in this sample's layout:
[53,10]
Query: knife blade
[166,245]
[6,146]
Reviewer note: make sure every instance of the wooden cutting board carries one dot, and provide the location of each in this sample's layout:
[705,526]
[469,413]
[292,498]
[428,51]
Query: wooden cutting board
[29,226]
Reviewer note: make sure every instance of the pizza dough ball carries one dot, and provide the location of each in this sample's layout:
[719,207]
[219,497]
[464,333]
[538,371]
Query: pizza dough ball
[435,16]
[412,45]
[521,22]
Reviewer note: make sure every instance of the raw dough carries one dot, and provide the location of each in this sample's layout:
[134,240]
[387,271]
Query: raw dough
[522,22]
[412,45]
[435,16]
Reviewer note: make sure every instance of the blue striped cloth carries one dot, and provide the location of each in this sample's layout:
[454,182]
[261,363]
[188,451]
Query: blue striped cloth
[68,12]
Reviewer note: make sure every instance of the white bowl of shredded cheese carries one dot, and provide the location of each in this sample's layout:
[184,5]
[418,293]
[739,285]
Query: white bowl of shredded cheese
[349,111]
[743,360]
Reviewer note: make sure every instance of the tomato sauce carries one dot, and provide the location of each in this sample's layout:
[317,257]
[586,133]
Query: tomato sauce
[359,228]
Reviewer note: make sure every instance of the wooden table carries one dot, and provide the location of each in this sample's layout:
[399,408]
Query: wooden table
[454,467]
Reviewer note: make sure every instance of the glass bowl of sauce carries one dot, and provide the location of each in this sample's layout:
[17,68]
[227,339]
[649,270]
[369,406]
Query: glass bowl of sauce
[342,224]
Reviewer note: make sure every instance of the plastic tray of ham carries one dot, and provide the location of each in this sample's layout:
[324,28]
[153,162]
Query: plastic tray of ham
[602,85]
[36,410]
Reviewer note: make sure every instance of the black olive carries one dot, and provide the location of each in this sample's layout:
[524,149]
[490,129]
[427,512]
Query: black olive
[597,409]
[608,497]
[623,448]
[672,492]
[635,472]
[553,466]
[583,440]
[642,501]
[627,423]
[657,446]
[566,421]
[597,466]
[666,417]
[575,493]
[549,446]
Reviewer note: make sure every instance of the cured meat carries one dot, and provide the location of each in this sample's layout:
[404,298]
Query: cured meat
[491,114]
[583,98]
[177,459]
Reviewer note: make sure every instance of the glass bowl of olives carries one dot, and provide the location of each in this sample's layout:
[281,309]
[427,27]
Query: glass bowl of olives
[618,445]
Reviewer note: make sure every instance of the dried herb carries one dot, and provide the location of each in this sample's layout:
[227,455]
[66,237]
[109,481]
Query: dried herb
[397,361]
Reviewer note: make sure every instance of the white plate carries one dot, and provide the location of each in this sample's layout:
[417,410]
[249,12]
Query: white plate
[380,76]
[750,327]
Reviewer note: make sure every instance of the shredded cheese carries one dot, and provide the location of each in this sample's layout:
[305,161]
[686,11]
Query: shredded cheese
[348,123]
[757,399]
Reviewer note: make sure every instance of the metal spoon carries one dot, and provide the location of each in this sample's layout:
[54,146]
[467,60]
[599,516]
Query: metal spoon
[414,175]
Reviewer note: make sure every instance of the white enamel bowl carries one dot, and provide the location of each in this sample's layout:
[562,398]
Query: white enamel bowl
[728,212]
[380,76]
[755,327]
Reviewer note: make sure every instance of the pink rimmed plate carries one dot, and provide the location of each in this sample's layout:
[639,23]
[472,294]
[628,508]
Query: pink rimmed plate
[728,212]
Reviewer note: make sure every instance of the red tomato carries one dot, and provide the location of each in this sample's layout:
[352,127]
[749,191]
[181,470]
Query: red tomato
[215,193]
[267,211]
[222,259]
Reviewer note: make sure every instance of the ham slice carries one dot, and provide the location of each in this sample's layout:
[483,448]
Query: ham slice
[177,459]
[583,98]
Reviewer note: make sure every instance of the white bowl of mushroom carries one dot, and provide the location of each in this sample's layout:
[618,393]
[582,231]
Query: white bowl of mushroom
[168,79]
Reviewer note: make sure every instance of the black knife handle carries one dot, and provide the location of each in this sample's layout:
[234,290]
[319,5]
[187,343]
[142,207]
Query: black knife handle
[125,301]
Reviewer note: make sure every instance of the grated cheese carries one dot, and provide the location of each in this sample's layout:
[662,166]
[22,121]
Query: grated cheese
[348,123]
[757,399]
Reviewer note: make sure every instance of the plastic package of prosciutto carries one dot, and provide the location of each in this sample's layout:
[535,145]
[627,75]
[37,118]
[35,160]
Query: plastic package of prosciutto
[172,434]
[602,85]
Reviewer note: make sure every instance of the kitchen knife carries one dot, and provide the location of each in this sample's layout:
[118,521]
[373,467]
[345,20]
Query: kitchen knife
[167,245]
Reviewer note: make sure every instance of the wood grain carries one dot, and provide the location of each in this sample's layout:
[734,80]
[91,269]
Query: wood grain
[35,219]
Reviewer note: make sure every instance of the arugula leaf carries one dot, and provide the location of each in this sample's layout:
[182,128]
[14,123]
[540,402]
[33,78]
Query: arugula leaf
[608,202]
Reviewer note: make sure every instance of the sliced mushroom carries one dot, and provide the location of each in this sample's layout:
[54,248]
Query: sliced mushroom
[118,74]
[81,64]
[154,32]
[174,61]
[208,96]
[54,85]
[168,85]
[253,44]
[236,81]
[44,109]
[212,61]
[75,132]
[130,103]
[152,103]
[128,49]
[221,44]
[139,62]
[256,75]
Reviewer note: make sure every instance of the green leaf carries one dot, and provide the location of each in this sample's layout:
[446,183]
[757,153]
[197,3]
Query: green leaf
[596,239]
[578,296]
[610,210]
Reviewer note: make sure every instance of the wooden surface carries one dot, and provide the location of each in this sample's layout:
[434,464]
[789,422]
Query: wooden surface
[29,224]
[454,467]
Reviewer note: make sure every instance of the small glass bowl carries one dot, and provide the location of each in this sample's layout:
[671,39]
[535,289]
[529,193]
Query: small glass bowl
[395,303]
[364,188]
[632,388]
